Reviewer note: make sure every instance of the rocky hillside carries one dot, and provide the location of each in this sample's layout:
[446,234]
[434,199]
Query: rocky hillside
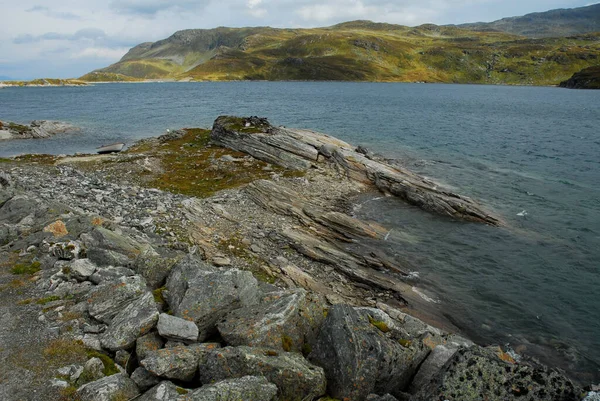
[113,289]
[554,23]
[588,78]
[359,51]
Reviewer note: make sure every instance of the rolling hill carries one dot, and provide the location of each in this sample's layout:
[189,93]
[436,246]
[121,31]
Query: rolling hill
[553,23]
[358,51]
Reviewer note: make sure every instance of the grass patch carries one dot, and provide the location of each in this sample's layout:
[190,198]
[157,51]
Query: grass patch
[110,368]
[26,268]
[158,295]
[47,300]
[193,167]
[382,326]
[404,342]
[287,343]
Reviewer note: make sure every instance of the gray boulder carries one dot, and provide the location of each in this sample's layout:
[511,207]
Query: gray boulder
[92,370]
[477,373]
[247,388]
[109,389]
[186,271]
[165,391]
[212,295]
[294,376]
[135,320]
[82,269]
[155,268]
[110,273]
[178,363]
[361,355]
[176,328]
[107,247]
[438,357]
[144,379]
[285,320]
[109,298]
[148,343]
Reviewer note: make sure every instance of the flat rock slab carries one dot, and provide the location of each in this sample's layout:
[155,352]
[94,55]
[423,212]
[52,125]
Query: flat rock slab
[178,363]
[293,375]
[477,373]
[247,388]
[82,269]
[361,355]
[284,321]
[108,389]
[212,295]
[176,328]
[109,298]
[137,319]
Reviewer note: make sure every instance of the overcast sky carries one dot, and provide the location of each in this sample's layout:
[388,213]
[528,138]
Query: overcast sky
[68,38]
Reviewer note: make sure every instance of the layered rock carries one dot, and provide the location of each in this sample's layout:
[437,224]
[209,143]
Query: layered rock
[298,149]
[35,130]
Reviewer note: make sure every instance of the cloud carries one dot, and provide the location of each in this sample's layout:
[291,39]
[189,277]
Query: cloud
[54,14]
[82,34]
[150,8]
[103,53]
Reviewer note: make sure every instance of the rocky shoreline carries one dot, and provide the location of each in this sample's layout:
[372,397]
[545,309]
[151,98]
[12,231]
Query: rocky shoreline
[114,288]
[37,129]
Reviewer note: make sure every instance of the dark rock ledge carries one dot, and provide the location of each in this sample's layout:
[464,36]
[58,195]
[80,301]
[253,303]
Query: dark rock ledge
[122,294]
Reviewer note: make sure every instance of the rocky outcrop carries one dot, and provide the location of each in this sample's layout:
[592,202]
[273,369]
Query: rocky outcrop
[178,363]
[298,149]
[247,388]
[362,354]
[588,78]
[285,321]
[295,377]
[35,130]
[109,389]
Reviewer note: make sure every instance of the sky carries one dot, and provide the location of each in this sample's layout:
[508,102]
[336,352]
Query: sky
[68,38]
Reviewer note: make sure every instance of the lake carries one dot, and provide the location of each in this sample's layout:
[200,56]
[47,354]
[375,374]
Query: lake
[531,154]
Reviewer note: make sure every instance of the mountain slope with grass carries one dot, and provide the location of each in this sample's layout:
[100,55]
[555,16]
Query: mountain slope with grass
[359,51]
[553,23]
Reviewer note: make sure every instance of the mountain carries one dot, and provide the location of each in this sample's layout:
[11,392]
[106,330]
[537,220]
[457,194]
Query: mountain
[588,78]
[357,51]
[561,22]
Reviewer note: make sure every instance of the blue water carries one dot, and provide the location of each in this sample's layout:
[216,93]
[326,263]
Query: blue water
[534,284]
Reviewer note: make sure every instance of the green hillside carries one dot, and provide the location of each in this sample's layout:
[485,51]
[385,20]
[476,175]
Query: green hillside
[553,23]
[360,51]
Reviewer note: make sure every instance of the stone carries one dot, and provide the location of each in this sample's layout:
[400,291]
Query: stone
[109,298]
[122,358]
[92,370]
[176,328]
[386,397]
[221,261]
[247,388]
[92,341]
[165,391]
[82,269]
[295,377]
[186,271]
[144,379]
[108,389]
[110,273]
[438,357]
[361,355]
[148,343]
[211,296]
[135,320]
[155,268]
[108,248]
[179,363]
[285,321]
[474,371]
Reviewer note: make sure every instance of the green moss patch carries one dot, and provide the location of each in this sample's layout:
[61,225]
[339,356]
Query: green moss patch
[382,326]
[26,268]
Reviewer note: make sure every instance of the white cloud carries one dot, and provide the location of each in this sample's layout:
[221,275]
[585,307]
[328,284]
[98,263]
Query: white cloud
[103,53]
